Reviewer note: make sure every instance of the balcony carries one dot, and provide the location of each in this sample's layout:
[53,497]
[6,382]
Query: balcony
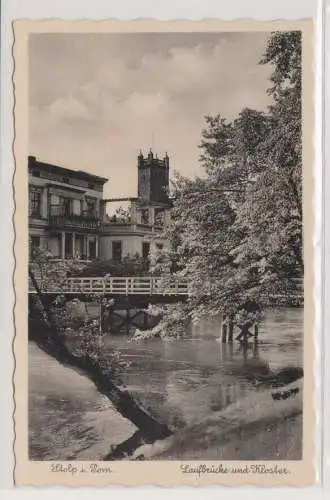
[62,218]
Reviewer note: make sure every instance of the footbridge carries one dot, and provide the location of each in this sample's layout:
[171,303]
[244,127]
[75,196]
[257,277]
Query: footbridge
[146,286]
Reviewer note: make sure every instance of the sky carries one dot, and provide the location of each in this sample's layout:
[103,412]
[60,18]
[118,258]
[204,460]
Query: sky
[95,100]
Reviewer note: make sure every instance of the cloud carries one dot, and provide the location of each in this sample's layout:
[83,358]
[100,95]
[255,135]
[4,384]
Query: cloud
[110,97]
[68,109]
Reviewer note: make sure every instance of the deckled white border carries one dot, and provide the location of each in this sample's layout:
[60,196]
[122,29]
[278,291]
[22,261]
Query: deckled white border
[325,396]
[122,9]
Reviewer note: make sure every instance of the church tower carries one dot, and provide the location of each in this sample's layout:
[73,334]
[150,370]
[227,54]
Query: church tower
[153,178]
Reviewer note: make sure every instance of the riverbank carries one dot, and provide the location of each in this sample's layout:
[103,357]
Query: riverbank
[267,426]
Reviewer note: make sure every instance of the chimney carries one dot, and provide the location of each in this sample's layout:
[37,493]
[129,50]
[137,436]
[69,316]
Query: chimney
[31,161]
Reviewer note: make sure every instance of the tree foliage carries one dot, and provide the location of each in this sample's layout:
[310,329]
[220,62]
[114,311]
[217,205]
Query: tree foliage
[130,265]
[237,232]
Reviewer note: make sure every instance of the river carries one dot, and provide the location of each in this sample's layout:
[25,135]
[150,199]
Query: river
[180,381]
[184,380]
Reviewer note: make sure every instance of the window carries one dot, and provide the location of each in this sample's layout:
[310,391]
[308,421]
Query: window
[54,199]
[35,201]
[145,216]
[68,244]
[92,249]
[91,207]
[34,244]
[117,251]
[159,217]
[64,207]
[159,247]
[76,207]
[80,246]
[56,204]
[145,250]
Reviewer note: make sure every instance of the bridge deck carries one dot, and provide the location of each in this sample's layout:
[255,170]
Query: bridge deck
[117,286]
[149,286]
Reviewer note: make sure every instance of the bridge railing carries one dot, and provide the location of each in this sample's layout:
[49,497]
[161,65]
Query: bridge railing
[124,286]
[149,285]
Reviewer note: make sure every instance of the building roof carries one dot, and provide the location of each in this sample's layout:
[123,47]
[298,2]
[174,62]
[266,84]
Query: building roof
[78,174]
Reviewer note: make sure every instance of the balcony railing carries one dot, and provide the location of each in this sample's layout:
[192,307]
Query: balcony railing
[65,211]
[61,217]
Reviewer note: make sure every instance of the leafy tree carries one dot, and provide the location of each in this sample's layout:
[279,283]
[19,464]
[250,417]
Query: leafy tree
[272,216]
[237,232]
[50,326]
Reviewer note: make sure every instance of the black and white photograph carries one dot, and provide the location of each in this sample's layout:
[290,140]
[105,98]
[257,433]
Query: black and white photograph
[166,247]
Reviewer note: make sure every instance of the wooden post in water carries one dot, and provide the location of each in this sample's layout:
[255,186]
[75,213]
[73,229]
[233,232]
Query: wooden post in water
[256,350]
[224,329]
[231,331]
[256,332]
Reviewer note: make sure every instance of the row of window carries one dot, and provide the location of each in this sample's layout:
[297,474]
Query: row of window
[117,250]
[159,216]
[80,246]
[117,247]
[60,205]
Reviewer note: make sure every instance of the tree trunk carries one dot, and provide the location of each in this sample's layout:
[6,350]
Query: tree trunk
[126,448]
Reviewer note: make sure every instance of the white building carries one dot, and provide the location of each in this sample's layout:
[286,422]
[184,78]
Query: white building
[67,212]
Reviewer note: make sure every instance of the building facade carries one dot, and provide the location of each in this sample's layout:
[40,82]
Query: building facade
[141,231]
[67,212]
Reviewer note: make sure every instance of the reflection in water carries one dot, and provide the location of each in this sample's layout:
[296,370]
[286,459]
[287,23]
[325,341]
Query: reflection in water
[184,380]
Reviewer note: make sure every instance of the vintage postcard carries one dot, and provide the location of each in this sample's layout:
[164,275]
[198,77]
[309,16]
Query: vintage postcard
[164,253]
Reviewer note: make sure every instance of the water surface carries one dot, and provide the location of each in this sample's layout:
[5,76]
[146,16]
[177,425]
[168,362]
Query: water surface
[180,381]
[184,380]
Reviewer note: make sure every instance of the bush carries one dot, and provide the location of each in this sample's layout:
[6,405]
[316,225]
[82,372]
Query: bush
[129,266]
